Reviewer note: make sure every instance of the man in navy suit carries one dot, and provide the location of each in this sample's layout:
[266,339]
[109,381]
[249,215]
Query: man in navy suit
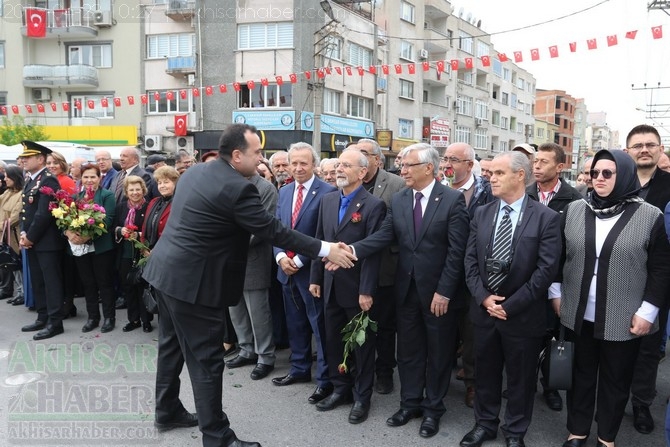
[512,258]
[429,223]
[298,208]
[104,160]
[348,216]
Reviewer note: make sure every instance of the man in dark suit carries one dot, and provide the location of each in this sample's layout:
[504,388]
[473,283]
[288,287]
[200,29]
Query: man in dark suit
[43,243]
[348,216]
[512,258]
[298,208]
[383,185]
[225,207]
[130,165]
[104,160]
[429,223]
[643,144]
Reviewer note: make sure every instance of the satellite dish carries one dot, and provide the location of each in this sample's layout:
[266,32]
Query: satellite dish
[460,12]
[479,23]
[469,17]
[474,20]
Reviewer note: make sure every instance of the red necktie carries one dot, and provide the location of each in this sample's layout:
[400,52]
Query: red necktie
[298,205]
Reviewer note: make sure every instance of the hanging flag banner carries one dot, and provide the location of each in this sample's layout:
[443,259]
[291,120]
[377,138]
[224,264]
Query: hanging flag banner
[180,125]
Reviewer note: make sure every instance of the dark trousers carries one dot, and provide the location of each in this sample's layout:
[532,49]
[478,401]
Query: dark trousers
[192,333]
[383,312]
[46,280]
[137,311]
[466,333]
[279,331]
[495,350]
[643,388]
[426,350]
[601,378]
[361,377]
[96,271]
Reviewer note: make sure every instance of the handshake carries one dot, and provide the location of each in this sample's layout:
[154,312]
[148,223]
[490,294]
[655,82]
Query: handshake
[341,255]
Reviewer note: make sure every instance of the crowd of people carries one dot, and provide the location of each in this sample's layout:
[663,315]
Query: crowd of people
[451,256]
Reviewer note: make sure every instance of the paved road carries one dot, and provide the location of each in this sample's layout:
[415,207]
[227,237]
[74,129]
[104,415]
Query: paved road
[97,389]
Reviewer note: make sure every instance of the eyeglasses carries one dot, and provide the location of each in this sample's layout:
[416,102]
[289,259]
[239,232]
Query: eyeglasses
[640,146]
[346,165]
[367,154]
[411,165]
[607,173]
[453,160]
[98,160]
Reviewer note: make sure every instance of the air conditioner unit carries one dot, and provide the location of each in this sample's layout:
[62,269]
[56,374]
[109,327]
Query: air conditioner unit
[42,94]
[185,143]
[424,54]
[152,143]
[478,122]
[102,19]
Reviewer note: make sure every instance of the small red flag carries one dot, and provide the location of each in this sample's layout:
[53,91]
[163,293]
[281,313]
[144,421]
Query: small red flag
[40,108]
[251,85]
[486,61]
[144,99]
[398,68]
[77,104]
[573,47]
[36,22]
[348,70]
[553,51]
[308,75]
[338,70]
[657,31]
[54,107]
[468,63]
[104,102]
[29,108]
[534,54]
[3,110]
[502,57]
[209,90]
[329,70]
[223,88]
[612,40]
[592,44]
[293,77]
[195,91]
[373,69]
[264,82]
[117,102]
[169,95]
[320,73]
[236,86]
[280,80]
[426,65]
[454,64]
[183,94]
[518,56]
[411,68]
[180,125]
[157,95]
[15,110]
[631,34]
[91,104]
[440,66]
[361,70]
[66,106]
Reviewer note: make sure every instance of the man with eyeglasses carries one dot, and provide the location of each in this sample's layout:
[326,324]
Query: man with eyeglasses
[104,161]
[643,144]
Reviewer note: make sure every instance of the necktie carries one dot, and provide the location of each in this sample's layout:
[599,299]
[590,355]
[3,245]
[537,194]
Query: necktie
[344,203]
[418,214]
[502,248]
[118,193]
[298,205]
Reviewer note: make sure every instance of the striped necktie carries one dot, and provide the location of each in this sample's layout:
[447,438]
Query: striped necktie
[502,248]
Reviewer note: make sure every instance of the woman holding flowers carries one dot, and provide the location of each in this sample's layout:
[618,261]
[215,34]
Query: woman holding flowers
[92,248]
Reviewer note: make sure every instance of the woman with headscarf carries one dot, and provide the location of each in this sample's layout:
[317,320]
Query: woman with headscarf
[614,275]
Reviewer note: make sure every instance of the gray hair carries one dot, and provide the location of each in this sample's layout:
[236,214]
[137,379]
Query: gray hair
[469,152]
[302,145]
[326,161]
[382,158]
[426,153]
[518,161]
[272,157]
[376,150]
[362,159]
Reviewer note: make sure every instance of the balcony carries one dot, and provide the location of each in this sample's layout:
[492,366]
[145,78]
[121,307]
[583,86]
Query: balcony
[66,23]
[437,8]
[437,40]
[179,10]
[180,65]
[60,75]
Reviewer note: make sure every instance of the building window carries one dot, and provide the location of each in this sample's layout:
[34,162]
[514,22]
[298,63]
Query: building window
[481,110]
[519,127]
[99,56]
[165,105]
[462,134]
[359,107]
[407,12]
[513,101]
[540,132]
[333,48]
[98,111]
[521,83]
[406,89]
[331,101]
[482,49]
[252,36]
[503,146]
[505,98]
[495,118]
[405,128]
[506,74]
[497,67]
[464,105]
[481,139]
[170,45]
[272,95]
[359,55]
[406,50]
[3,98]
[465,42]
[504,122]
[520,106]
[2,52]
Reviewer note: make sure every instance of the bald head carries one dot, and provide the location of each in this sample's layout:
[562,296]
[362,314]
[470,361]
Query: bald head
[129,157]
[104,160]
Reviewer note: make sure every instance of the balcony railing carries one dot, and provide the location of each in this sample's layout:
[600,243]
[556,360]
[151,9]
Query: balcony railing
[181,65]
[180,9]
[60,75]
[73,22]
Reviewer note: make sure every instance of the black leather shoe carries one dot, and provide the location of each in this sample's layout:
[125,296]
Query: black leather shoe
[36,326]
[120,303]
[290,379]
[576,442]
[238,443]
[131,326]
[600,444]
[261,371]
[72,312]
[11,300]
[240,361]
[514,441]
[402,416]
[642,420]
[553,400]
[108,325]
[18,301]
[333,401]
[476,437]
[320,393]
[384,384]
[48,332]
[429,427]
[90,325]
[186,419]
[359,413]
[147,327]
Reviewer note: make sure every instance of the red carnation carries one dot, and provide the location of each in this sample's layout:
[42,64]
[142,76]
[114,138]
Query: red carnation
[356,217]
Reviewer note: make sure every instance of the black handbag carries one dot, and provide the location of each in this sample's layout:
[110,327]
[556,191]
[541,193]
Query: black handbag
[561,358]
[9,259]
[149,299]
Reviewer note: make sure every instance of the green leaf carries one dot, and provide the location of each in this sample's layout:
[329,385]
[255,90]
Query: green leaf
[373,326]
[360,338]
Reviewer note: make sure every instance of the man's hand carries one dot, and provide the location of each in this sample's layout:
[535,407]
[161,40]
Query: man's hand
[639,326]
[556,305]
[440,305]
[493,308]
[24,242]
[365,301]
[341,255]
[288,266]
[315,290]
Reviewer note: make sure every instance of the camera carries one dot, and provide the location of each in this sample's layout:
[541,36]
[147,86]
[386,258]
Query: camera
[497,266]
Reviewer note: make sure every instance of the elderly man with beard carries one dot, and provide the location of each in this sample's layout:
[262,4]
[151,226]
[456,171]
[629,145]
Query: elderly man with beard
[280,167]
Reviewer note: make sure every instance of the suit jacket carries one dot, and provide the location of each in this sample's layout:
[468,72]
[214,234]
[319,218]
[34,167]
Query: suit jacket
[537,248]
[108,179]
[566,194]
[202,255]
[305,223]
[152,190]
[434,259]
[162,221]
[659,190]
[259,262]
[36,219]
[362,278]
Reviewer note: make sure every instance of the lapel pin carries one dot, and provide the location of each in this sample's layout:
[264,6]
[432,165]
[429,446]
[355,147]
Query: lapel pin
[358,205]
[313,192]
[437,199]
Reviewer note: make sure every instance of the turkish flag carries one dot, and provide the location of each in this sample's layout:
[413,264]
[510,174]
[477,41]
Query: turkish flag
[91,104]
[631,34]
[361,70]
[182,94]
[251,85]
[411,68]
[104,102]
[54,107]
[36,22]
[592,44]
[264,82]
[573,47]
[398,68]
[440,66]
[223,88]
[66,106]
[454,64]
[534,54]
[329,70]
[657,32]
[385,69]
[320,73]
[131,99]
[236,86]
[157,96]
[426,65]
[553,51]
[29,108]
[279,80]
[518,57]
[486,61]
[209,90]
[180,124]
[373,69]
[3,110]
[40,108]
[169,95]
[502,57]
[348,69]
[195,91]
[15,110]
[612,40]
[144,99]
[293,77]
[77,104]
[308,75]
[468,63]
[338,70]
[117,102]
